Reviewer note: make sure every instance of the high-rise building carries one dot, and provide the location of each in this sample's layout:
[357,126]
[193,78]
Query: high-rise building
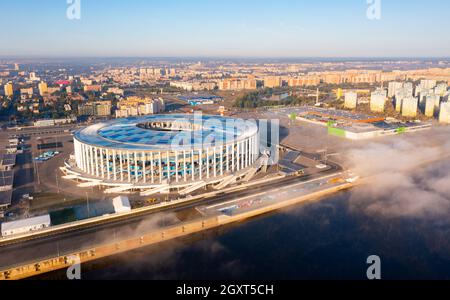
[135,106]
[394,86]
[398,103]
[102,108]
[423,96]
[399,96]
[236,84]
[441,89]
[409,107]
[417,91]
[437,102]
[99,108]
[408,87]
[272,82]
[339,93]
[428,84]
[43,88]
[378,100]
[430,105]
[9,89]
[33,77]
[92,88]
[351,100]
[16,67]
[26,92]
[444,115]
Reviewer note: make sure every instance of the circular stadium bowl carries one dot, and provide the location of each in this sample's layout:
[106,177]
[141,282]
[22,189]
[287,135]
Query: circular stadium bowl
[159,149]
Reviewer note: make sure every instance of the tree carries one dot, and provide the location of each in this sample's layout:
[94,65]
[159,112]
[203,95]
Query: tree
[293,117]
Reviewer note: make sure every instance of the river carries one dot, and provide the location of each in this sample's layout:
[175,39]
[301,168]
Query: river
[328,239]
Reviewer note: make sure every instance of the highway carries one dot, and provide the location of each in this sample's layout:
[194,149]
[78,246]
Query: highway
[75,240]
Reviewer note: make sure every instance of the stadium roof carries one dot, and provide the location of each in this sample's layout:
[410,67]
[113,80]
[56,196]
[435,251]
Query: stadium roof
[126,134]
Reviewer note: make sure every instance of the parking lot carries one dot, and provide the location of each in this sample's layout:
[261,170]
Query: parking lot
[36,170]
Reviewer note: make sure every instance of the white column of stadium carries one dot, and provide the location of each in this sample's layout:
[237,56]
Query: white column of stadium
[227,158]
[221,160]
[83,162]
[80,160]
[136,170]
[114,158]
[233,156]
[85,156]
[91,161]
[247,153]
[200,160]
[88,166]
[207,163]
[129,166]
[77,153]
[214,162]
[102,165]
[121,165]
[176,166]
[107,165]
[256,148]
[91,156]
[88,161]
[168,166]
[144,166]
[192,165]
[185,165]
[243,155]
[238,158]
[96,161]
[253,149]
[160,168]
[152,166]
[81,149]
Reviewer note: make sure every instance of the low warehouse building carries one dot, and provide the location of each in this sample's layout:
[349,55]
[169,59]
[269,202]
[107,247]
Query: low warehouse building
[25,225]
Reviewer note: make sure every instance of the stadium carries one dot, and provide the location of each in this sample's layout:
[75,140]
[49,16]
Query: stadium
[161,150]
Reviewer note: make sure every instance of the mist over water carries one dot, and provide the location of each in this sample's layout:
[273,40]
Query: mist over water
[322,240]
[407,177]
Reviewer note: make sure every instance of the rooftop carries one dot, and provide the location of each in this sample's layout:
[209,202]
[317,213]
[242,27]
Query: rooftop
[7,159]
[5,198]
[6,178]
[130,134]
[26,223]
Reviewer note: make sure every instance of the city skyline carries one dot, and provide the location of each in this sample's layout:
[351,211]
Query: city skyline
[282,29]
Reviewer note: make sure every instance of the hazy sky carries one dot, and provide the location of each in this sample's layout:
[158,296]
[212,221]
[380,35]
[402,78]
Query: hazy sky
[246,28]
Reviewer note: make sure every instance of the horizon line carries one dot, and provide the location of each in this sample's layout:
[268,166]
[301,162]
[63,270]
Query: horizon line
[11,57]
